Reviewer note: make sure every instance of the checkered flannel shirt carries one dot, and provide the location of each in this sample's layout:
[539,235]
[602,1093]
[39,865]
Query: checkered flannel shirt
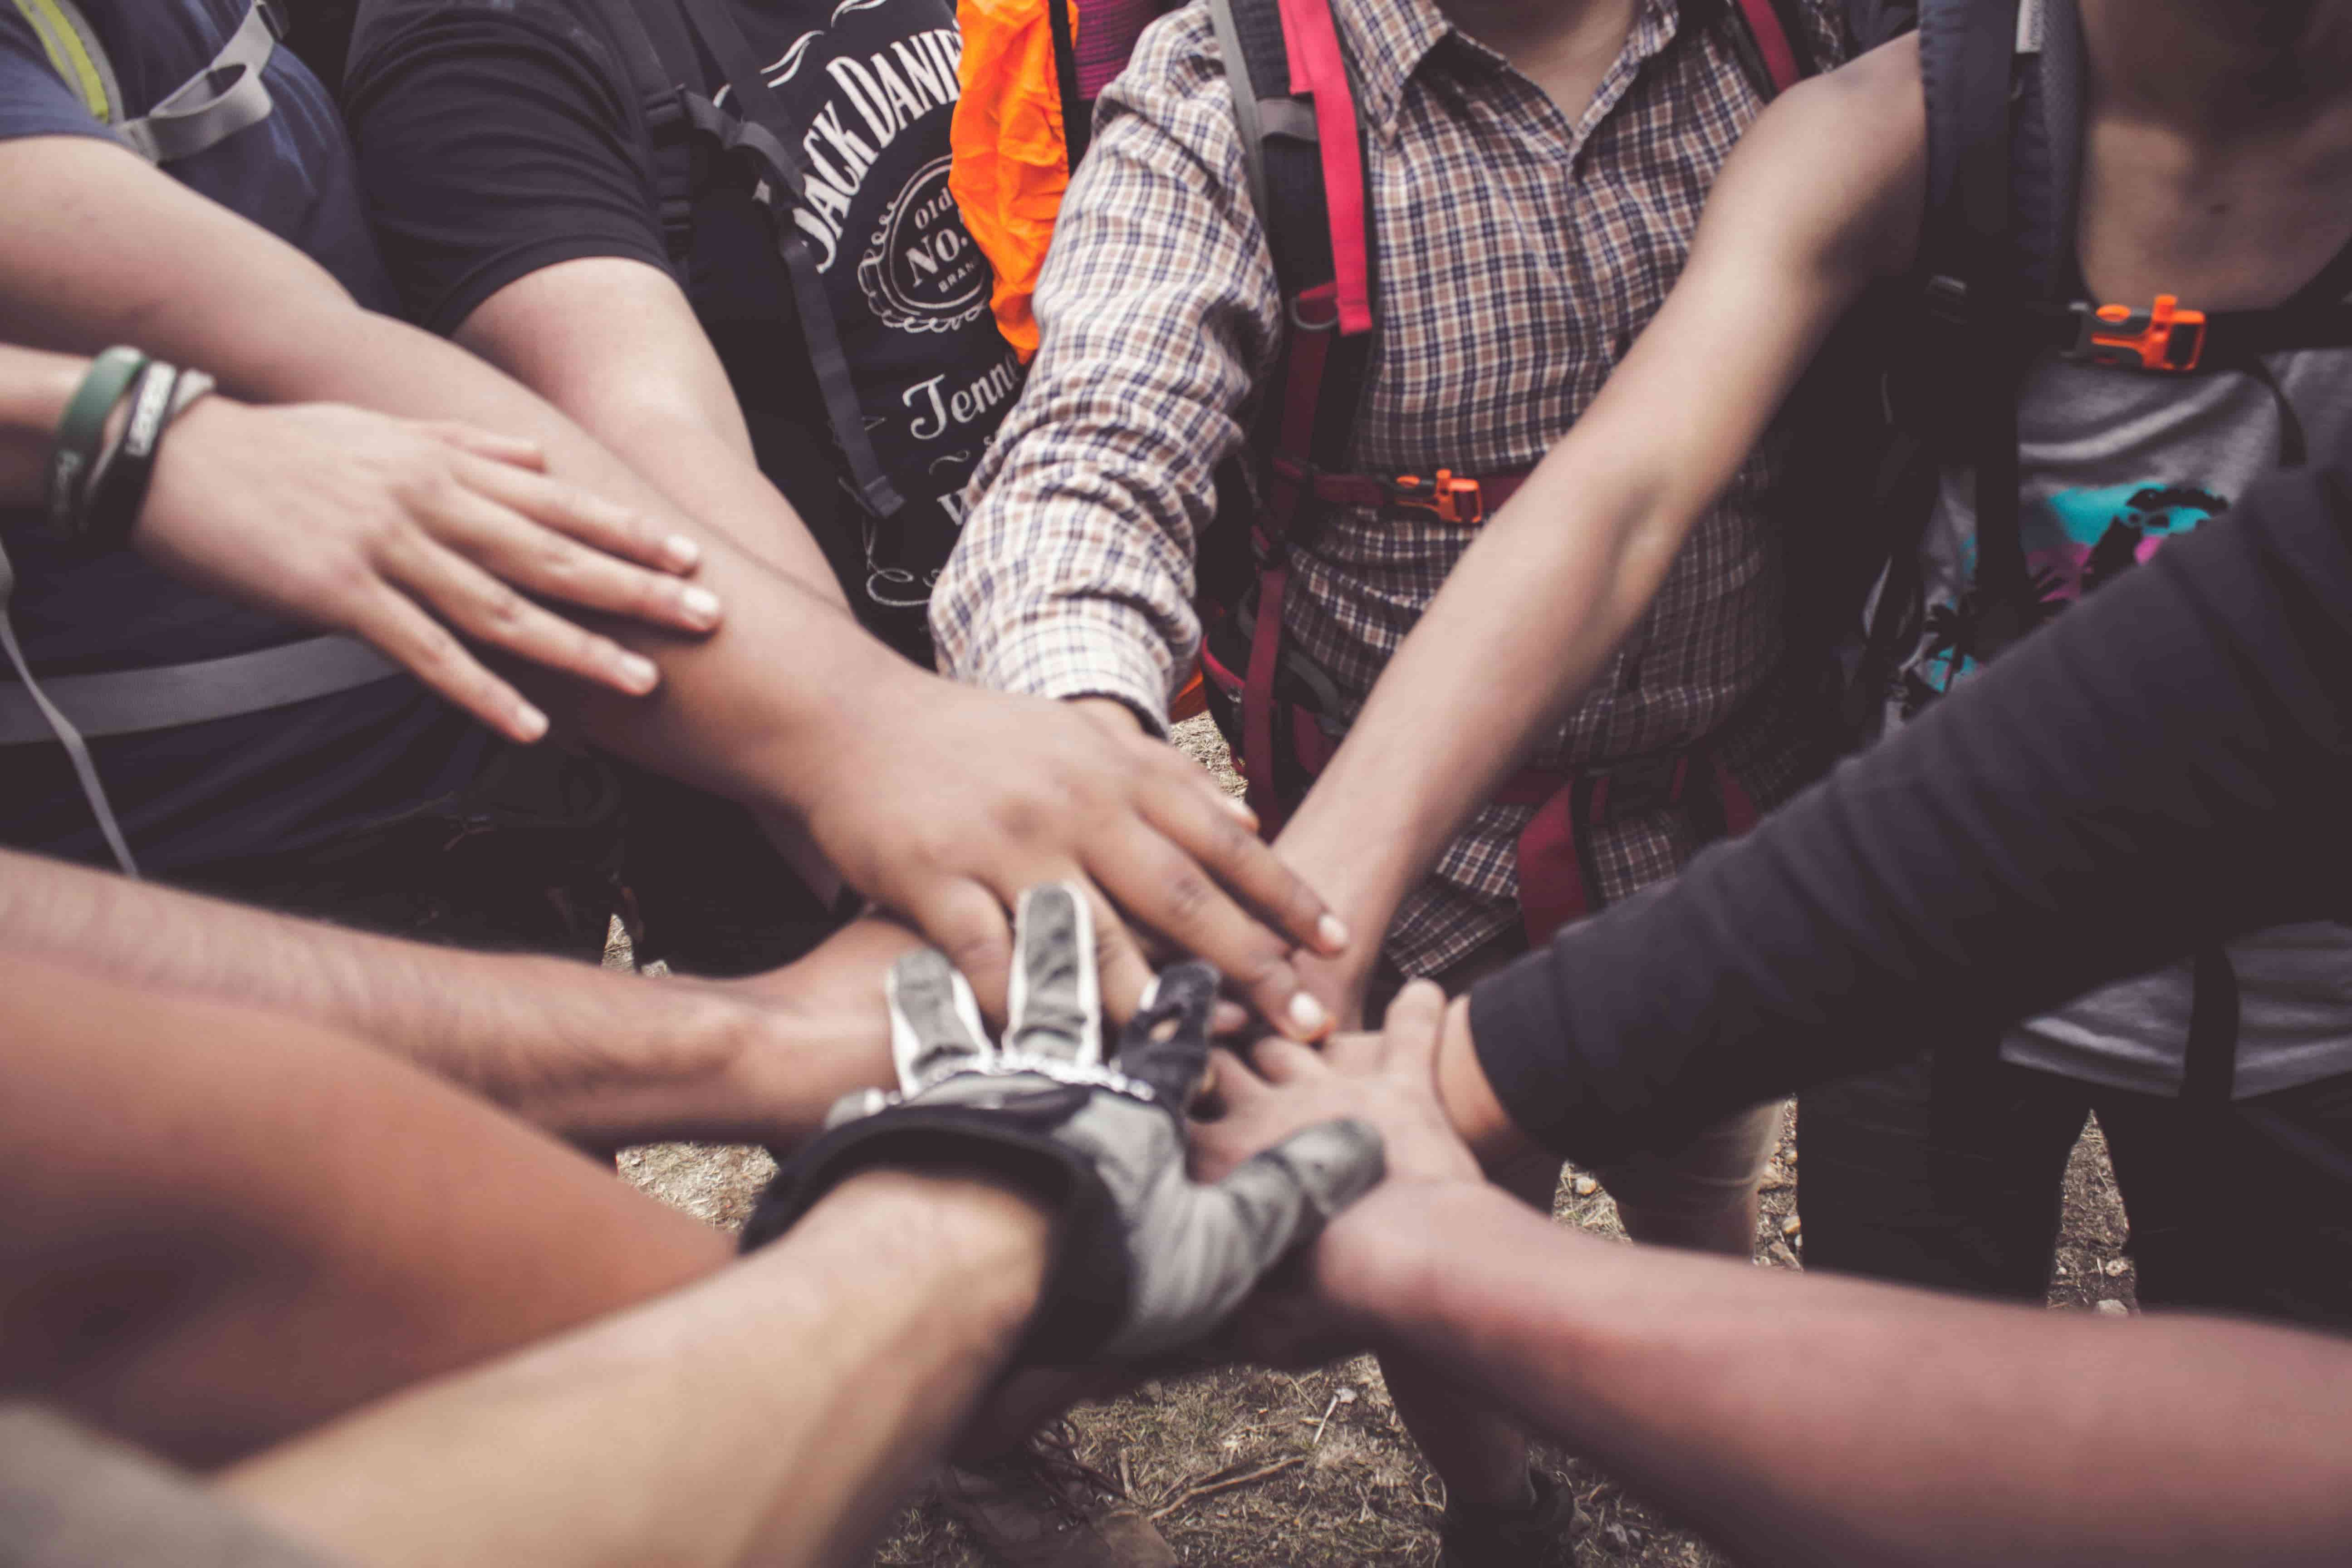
[1521,250]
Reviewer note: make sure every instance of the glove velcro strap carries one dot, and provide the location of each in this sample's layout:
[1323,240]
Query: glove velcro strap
[1085,1294]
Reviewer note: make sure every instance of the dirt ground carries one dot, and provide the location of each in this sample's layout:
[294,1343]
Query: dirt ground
[1267,1469]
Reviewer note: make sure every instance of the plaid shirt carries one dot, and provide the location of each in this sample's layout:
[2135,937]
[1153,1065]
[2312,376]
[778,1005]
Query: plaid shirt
[1521,250]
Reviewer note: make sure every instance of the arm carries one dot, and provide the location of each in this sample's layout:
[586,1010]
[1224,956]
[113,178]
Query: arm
[742,1447]
[350,521]
[1816,1421]
[2161,768]
[1822,198]
[601,1058]
[615,345]
[928,811]
[1158,313]
[1827,1422]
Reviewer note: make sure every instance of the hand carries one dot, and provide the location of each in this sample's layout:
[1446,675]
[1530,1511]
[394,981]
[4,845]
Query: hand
[359,522]
[964,798]
[1148,1259]
[1386,1081]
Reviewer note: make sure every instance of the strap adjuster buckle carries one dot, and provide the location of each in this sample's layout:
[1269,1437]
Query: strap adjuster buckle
[2164,338]
[1452,499]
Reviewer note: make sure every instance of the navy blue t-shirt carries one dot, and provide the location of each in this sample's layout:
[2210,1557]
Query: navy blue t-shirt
[285,779]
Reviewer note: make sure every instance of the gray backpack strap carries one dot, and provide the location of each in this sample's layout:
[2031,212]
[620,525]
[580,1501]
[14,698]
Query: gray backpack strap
[165,697]
[214,104]
[56,723]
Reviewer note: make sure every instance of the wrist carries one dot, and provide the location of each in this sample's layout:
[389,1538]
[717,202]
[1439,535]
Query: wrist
[1480,1118]
[988,1240]
[1382,1261]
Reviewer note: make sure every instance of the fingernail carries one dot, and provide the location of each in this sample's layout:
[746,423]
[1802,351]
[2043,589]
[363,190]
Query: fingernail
[1331,931]
[678,552]
[638,672]
[530,721]
[701,606]
[1306,1015]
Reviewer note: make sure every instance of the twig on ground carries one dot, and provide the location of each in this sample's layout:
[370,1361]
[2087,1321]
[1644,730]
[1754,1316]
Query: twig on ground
[1206,1488]
[1324,1420]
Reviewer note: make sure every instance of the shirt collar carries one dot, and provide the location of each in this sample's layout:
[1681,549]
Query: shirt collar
[1390,38]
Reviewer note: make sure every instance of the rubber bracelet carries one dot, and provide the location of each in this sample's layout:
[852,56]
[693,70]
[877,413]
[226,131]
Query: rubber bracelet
[120,489]
[74,452]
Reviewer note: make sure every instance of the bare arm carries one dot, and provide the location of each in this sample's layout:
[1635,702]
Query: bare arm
[914,789]
[743,1446]
[1820,198]
[1821,1421]
[1818,1422]
[614,344]
[601,1058]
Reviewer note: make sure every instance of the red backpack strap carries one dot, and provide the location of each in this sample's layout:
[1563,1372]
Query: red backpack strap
[1773,44]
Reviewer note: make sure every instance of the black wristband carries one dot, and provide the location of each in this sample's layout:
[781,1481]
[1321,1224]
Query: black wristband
[120,489]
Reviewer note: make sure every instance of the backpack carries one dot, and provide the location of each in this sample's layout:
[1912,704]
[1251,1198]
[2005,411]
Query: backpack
[2005,81]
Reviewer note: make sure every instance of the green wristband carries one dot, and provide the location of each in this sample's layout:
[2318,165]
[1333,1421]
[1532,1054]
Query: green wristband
[81,431]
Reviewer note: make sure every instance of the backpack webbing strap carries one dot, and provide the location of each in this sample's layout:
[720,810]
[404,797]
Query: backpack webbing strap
[1078,115]
[55,725]
[217,102]
[757,128]
[75,55]
[1776,44]
[1246,121]
[668,161]
[1318,70]
[1967,54]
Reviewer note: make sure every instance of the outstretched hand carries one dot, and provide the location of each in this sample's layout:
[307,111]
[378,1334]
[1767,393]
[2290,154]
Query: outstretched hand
[965,797]
[1386,1081]
[1149,1260]
[410,535]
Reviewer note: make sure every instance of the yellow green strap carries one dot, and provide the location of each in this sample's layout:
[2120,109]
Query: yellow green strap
[74,54]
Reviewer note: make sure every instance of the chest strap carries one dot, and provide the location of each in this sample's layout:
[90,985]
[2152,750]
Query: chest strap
[224,98]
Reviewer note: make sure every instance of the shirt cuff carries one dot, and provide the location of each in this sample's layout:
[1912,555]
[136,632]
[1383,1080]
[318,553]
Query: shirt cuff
[1098,650]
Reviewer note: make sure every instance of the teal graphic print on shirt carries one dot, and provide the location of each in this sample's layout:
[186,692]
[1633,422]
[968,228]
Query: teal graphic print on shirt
[2076,541]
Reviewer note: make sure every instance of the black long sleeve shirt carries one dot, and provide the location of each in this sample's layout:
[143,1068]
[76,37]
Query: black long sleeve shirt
[2167,765]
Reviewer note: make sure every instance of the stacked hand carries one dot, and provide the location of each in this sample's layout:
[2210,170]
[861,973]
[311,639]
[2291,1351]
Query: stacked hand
[409,535]
[1149,1260]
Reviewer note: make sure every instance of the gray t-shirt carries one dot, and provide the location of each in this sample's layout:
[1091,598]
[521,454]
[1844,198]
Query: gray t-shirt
[2113,464]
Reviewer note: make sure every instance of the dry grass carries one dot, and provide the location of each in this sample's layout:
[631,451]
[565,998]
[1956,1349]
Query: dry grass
[1337,1482]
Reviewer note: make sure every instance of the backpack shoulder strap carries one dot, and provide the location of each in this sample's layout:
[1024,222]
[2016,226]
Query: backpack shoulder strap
[75,55]
[218,102]
[656,69]
[1293,107]
[1771,38]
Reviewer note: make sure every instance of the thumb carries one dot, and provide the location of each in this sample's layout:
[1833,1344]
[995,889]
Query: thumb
[1287,1194]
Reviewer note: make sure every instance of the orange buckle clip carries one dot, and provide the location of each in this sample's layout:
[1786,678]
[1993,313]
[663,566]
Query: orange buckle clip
[2166,338]
[1454,499]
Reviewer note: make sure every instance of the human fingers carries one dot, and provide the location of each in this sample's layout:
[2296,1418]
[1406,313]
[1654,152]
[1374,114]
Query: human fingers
[1166,1044]
[1411,1037]
[1356,1052]
[967,923]
[490,611]
[1278,1060]
[1166,890]
[390,623]
[538,535]
[1123,969]
[1221,834]
[1238,1083]
[605,525]
[517,452]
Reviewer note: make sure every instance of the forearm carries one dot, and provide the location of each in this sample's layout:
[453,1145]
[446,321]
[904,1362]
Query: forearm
[2161,768]
[185,280]
[742,1444]
[591,1055]
[614,345]
[1821,1421]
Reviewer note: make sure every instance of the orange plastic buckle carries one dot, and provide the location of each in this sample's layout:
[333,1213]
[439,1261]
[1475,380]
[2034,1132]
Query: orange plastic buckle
[2166,338]
[1454,499]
